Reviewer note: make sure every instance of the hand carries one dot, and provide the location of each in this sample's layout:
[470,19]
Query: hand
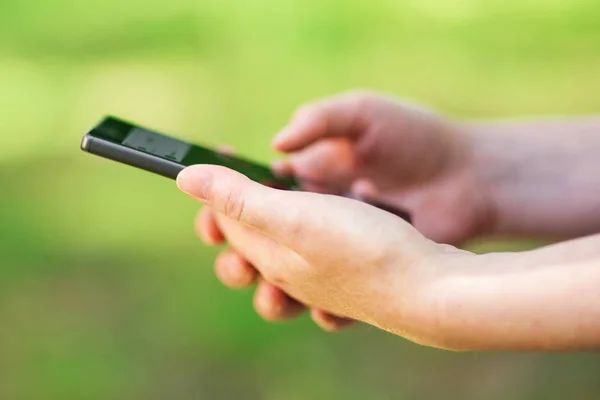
[336,255]
[372,147]
[396,152]
[235,272]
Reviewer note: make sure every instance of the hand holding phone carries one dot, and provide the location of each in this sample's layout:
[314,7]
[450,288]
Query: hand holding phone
[139,147]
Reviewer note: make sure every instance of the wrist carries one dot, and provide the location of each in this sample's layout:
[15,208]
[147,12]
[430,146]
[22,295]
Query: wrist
[518,301]
[494,156]
[421,310]
[462,300]
[537,178]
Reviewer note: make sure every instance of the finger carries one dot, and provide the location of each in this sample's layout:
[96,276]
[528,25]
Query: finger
[283,168]
[235,196]
[234,271]
[259,250]
[364,189]
[225,149]
[275,213]
[208,229]
[272,304]
[336,117]
[330,164]
[329,322]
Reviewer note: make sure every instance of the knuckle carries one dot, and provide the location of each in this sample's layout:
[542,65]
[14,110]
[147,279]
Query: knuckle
[360,96]
[199,223]
[234,205]
[363,101]
[275,279]
[306,111]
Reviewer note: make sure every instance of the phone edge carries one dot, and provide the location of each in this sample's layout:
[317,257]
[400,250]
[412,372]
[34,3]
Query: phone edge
[131,157]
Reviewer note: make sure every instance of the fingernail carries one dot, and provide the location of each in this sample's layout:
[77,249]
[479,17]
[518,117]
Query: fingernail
[195,181]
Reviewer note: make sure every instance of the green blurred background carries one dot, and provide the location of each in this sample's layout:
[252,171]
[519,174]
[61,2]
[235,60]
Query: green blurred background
[105,293]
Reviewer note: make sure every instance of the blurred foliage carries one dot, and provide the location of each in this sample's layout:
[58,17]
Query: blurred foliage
[104,291]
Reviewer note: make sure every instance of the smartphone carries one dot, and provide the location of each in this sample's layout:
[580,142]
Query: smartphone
[131,144]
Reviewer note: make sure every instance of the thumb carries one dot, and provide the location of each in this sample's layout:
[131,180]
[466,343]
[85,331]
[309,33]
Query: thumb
[304,222]
[241,199]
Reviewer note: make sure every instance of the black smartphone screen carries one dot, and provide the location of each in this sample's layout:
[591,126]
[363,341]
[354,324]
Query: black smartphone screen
[137,146]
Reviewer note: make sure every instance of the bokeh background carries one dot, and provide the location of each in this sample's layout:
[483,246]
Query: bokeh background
[105,293]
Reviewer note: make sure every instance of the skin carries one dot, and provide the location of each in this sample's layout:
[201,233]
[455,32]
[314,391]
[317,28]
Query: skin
[350,261]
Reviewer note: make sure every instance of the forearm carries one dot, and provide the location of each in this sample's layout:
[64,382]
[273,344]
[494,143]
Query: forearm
[541,178]
[547,299]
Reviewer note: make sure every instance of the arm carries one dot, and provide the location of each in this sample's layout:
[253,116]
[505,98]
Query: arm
[459,181]
[542,178]
[396,279]
[546,299]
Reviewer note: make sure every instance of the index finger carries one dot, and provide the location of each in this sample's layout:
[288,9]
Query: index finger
[329,118]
